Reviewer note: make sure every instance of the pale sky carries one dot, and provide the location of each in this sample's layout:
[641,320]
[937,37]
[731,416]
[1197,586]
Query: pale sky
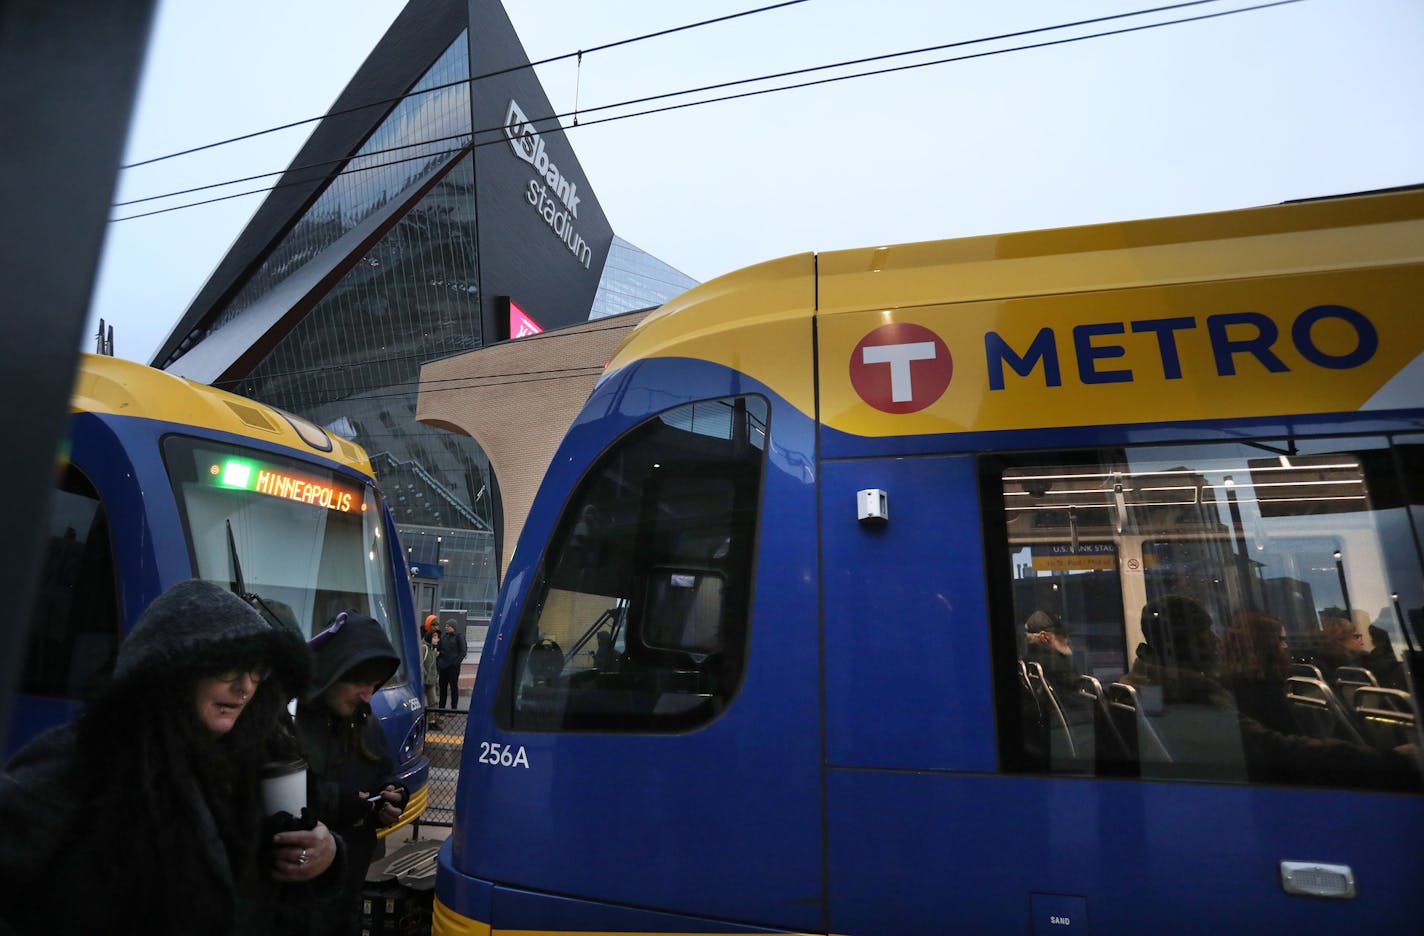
[1313,98]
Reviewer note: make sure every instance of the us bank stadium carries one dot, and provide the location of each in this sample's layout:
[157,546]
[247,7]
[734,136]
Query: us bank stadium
[430,228]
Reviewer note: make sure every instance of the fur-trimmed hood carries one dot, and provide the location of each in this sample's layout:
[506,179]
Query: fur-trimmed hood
[200,628]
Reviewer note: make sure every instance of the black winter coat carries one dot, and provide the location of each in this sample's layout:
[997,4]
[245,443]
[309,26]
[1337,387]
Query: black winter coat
[133,819]
[452,650]
[337,772]
[59,862]
[345,759]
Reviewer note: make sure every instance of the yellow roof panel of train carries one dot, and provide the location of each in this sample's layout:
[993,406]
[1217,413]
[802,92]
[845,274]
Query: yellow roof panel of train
[1300,237]
[758,320]
[125,388]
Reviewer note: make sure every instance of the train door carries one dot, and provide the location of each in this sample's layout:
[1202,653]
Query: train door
[914,809]
[427,596]
[1158,686]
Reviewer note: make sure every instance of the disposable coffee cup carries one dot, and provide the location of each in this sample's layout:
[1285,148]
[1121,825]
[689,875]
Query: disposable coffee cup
[284,787]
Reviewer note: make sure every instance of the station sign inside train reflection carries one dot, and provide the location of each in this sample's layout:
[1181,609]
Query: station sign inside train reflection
[1067,557]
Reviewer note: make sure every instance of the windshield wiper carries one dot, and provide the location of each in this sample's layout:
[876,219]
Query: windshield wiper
[239,588]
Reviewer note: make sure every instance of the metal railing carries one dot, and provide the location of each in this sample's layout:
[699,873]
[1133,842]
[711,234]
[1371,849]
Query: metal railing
[444,743]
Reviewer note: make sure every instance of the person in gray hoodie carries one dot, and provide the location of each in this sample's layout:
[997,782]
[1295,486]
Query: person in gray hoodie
[145,815]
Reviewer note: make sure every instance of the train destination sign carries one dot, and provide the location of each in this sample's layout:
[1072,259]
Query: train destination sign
[245,474]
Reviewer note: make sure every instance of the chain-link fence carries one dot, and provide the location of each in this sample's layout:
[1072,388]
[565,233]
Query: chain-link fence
[444,740]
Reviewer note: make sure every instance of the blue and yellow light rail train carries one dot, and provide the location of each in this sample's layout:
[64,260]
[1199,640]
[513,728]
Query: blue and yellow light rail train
[161,480]
[1056,582]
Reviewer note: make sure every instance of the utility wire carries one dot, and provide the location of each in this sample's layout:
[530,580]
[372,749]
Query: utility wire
[314,165]
[462,81]
[944,61]
[582,370]
[744,94]
[892,55]
[657,97]
[280,185]
[426,356]
[469,383]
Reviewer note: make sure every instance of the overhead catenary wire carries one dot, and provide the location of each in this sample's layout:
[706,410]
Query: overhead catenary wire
[457,384]
[748,94]
[576,371]
[655,97]
[450,84]
[366,362]
[908,52]
[462,384]
[313,165]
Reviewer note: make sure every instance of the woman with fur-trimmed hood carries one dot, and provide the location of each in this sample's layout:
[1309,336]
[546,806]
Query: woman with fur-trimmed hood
[145,814]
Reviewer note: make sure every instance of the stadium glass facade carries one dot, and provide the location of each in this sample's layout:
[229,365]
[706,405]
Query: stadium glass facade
[635,280]
[408,294]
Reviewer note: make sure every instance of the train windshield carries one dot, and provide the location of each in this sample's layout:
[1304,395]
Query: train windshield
[308,541]
[641,623]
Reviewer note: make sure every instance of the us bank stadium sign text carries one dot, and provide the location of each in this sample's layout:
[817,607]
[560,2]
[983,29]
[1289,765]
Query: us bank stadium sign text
[554,196]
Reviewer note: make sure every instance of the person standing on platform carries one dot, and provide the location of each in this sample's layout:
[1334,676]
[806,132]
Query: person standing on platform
[351,783]
[452,654]
[429,668]
[429,671]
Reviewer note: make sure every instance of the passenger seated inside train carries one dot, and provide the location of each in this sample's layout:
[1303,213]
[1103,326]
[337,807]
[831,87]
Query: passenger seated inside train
[1339,642]
[1381,660]
[1065,717]
[1182,663]
[1193,715]
[1255,661]
[1046,642]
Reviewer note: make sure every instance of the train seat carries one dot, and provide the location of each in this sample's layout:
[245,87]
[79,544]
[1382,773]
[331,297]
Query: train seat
[1350,678]
[1059,735]
[1133,724]
[1387,717]
[1110,745]
[1318,711]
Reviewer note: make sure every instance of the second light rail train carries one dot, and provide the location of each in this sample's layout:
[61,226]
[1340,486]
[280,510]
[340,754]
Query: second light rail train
[1065,582]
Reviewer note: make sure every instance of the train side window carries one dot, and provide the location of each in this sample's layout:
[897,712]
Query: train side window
[637,620]
[1409,607]
[1231,613]
[74,634]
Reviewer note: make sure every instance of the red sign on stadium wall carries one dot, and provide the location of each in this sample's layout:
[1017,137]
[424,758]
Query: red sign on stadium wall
[901,368]
[520,324]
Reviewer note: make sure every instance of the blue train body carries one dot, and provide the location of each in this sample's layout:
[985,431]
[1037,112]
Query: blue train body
[826,722]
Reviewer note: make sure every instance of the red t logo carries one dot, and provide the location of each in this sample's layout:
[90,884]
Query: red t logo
[901,368]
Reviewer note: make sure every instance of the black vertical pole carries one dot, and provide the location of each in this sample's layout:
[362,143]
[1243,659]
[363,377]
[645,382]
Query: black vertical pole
[1344,586]
[68,72]
[1244,581]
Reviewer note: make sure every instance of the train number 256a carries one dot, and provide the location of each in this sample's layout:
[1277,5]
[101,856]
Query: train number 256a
[503,755]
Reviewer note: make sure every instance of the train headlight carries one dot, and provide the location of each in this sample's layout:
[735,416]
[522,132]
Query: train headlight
[414,744]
